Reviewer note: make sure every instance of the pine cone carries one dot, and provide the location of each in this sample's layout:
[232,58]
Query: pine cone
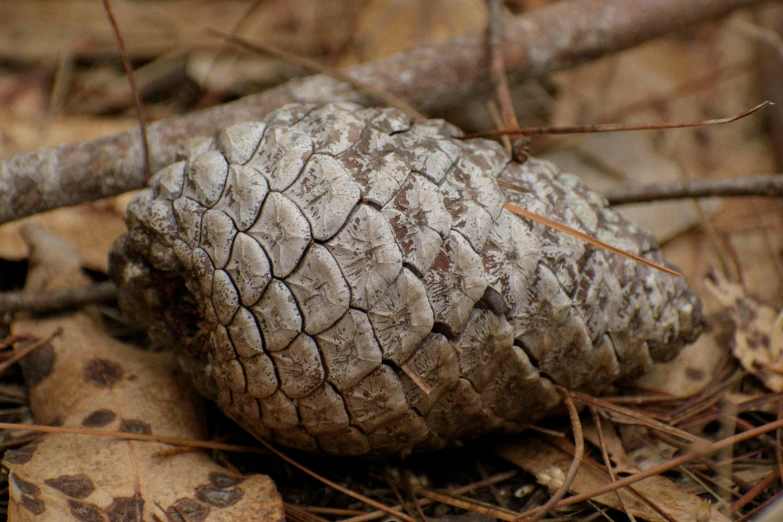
[339,279]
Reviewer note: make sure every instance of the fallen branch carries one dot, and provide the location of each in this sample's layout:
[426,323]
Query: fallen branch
[54,300]
[429,77]
[768,185]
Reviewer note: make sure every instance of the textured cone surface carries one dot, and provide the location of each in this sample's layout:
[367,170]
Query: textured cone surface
[339,279]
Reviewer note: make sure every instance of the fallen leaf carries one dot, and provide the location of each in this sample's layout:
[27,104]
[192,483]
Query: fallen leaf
[535,455]
[85,379]
[91,228]
[758,339]
[688,373]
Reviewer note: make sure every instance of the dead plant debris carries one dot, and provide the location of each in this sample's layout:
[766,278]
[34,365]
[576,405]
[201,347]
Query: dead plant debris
[697,439]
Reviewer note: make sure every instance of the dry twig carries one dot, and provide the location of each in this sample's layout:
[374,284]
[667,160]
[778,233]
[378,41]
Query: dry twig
[607,462]
[134,91]
[669,465]
[768,185]
[54,300]
[579,439]
[457,491]
[498,66]
[31,345]
[584,237]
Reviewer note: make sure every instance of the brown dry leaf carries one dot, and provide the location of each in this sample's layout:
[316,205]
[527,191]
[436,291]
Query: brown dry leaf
[757,340]
[91,228]
[643,449]
[614,446]
[86,379]
[534,455]
[688,373]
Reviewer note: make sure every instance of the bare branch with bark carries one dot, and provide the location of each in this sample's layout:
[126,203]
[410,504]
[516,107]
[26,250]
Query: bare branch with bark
[429,77]
[770,185]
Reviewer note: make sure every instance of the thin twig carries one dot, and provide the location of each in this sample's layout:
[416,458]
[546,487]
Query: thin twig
[140,437]
[584,237]
[778,439]
[223,47]
[53,300]
[294,512]
[24,351]
[765,185]
[467,504]
[323,510]
[579,452]
[134,91]
[753,493]
[640,419]
[370,502]
[774,499]
[498,66]
[667,466]
[612,127]
[569,448]
[607,462]
[502,477]
[409,489]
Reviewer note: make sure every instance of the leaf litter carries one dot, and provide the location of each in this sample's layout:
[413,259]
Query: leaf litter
[84,378]
[655,73]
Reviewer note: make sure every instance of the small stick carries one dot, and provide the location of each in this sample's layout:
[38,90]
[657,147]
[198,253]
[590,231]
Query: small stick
[415,377]
[249,11]
[579,452]
[377,505]
[457,491]
[48,301]
[642,420]
[131,80]
[766,518]
[468,505]
[753,493]
[607,461]
[21,353]
[334,72]
[766,185]
[498,66]
[584,237]
[612,127]
[778,440]
[321,510]
[140,437]
[700,452]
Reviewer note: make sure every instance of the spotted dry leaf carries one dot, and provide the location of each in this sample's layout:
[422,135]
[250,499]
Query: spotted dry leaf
[373,296]
[541,457]
[86,379]
[758,338]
